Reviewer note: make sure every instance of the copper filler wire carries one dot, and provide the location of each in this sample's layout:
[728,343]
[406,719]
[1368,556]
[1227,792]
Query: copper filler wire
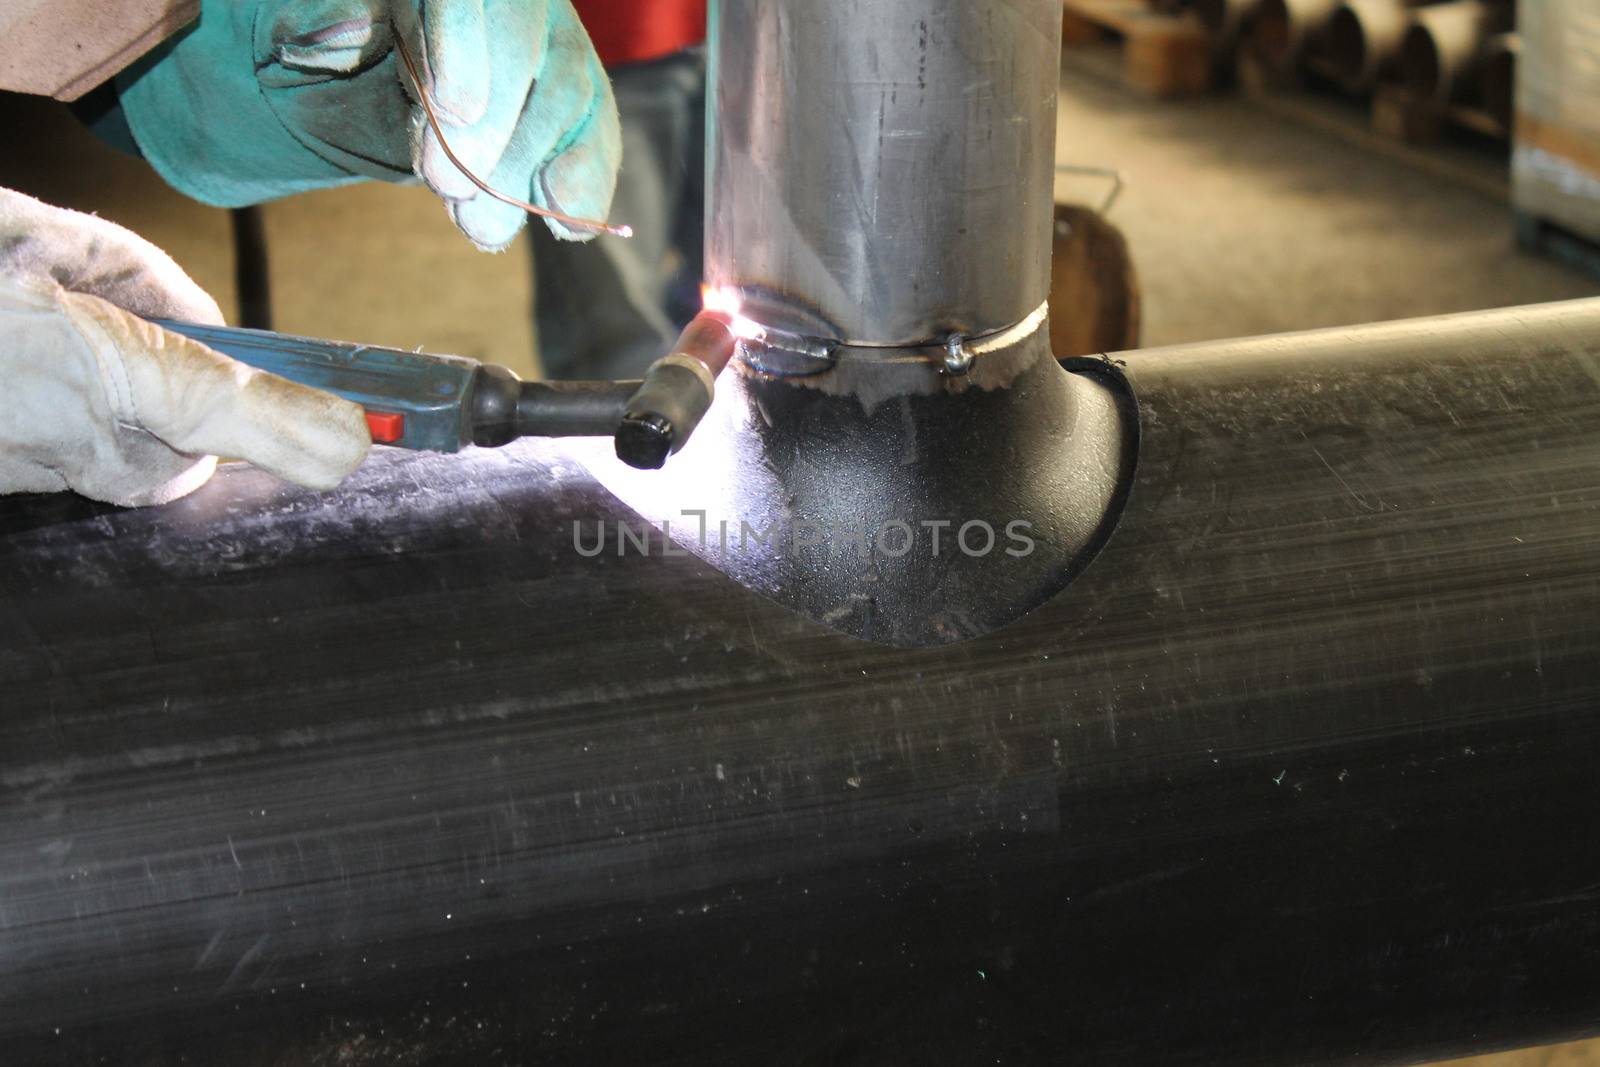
[438,131]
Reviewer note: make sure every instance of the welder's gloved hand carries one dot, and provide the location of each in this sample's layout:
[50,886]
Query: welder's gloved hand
[264,98]
[99,401]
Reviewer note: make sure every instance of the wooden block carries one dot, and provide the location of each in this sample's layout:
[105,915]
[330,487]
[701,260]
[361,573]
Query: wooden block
[1168,58]
[1165,54]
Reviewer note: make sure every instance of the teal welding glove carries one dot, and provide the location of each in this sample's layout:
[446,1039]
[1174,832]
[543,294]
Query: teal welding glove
[264,98]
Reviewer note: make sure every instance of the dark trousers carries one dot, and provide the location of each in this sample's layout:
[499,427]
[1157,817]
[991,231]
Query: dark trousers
[610,308]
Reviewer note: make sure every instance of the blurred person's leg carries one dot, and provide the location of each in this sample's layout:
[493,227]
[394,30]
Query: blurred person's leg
[610,308]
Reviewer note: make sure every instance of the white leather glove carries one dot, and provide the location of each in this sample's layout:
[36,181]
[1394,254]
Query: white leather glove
[95,399]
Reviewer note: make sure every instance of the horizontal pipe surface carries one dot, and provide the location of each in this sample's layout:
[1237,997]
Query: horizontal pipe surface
[1301,768]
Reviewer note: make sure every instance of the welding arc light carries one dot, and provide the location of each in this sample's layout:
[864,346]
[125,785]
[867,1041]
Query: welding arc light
[728,304]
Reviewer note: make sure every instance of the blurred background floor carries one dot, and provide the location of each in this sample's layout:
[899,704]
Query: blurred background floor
[1243,221]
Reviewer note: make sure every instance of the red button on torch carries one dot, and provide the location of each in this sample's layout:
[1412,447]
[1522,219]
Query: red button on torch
[387,427]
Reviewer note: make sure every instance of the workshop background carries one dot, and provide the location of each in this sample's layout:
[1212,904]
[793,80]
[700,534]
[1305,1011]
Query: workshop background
[1273,176]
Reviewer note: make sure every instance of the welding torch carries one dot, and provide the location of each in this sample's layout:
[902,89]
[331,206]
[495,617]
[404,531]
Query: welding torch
[447,403]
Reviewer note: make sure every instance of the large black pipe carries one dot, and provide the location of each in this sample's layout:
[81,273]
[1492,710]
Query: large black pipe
[1301,768]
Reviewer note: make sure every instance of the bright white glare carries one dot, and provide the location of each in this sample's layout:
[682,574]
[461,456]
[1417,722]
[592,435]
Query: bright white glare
[728,302]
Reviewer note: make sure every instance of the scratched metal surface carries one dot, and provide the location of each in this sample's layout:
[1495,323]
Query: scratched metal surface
[862,156]
[1303,768]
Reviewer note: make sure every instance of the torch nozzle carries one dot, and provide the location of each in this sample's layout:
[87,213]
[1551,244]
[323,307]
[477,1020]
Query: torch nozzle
[676,393]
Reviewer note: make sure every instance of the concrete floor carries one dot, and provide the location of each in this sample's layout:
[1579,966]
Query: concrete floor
[1243,221]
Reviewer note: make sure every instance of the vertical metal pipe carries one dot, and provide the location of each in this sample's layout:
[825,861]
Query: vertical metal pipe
[881,180]
[882,170]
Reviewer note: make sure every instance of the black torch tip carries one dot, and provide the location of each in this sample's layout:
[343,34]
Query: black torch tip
[646,441]
[676,393]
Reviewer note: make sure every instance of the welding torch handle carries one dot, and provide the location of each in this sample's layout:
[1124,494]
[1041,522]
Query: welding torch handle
[446,403]
[423,402]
